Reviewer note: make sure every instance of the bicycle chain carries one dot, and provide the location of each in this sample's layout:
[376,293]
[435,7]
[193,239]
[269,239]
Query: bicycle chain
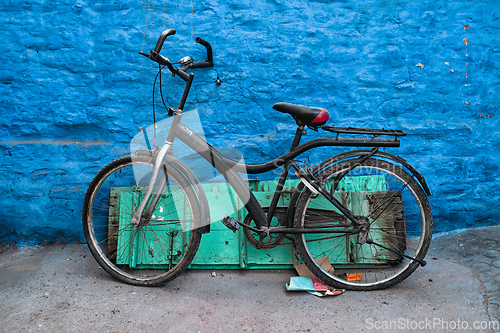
[268,242]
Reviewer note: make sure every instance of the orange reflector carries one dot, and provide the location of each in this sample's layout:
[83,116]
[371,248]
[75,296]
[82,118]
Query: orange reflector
[354,277]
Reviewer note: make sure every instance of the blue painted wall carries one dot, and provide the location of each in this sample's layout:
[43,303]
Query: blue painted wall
[74,91]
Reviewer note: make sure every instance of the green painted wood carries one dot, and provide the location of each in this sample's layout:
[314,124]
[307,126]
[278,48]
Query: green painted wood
[150,246]
[224,249]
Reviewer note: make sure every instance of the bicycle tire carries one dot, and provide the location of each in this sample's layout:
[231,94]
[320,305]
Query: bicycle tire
[390,201]
[150,254]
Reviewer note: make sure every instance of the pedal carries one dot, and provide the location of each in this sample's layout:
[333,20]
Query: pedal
[231,223]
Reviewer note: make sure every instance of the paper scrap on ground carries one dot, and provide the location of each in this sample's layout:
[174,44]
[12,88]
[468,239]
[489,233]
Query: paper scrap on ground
[310,283]
[313,285]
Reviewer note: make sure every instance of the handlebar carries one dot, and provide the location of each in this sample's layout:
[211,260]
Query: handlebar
[181,72]
[162,38]
[210,60]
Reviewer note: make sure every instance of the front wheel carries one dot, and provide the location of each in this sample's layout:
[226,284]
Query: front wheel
[155,251]
[395,211]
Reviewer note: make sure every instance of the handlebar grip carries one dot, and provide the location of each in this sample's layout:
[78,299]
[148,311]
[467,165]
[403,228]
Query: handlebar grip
[162,38]
[207,45]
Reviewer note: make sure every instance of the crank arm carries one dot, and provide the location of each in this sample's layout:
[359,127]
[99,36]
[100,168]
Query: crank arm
[244,225]
[421,262]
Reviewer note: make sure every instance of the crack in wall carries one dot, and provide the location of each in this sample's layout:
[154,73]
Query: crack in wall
[55,142]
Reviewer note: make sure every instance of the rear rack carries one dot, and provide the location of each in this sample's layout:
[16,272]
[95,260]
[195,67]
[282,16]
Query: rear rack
[367,131]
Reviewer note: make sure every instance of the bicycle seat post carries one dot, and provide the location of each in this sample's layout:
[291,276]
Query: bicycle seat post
[298,135]
[284,173]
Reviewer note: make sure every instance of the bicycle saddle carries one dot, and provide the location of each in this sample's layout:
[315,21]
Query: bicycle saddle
[311,116]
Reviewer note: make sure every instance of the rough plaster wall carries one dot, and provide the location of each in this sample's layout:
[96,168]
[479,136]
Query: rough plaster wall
[74,91]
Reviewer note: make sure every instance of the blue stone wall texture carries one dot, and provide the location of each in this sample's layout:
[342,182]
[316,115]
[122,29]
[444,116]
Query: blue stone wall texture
[74,91]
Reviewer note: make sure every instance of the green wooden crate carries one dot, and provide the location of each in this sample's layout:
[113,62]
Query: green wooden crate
[130,240]
[223,249]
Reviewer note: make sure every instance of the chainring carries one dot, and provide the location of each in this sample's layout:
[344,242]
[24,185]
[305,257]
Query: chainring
[271,240]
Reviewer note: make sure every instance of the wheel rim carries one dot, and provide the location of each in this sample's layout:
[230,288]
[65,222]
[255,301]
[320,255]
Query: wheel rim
[152,251]
[352,261]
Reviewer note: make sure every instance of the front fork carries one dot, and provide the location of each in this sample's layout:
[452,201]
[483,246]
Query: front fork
[141,215]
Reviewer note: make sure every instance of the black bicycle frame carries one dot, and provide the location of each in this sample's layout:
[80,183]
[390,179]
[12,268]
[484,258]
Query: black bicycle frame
[230,168]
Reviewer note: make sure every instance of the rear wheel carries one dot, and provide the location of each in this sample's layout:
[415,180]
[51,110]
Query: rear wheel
[397,216]
[153,252]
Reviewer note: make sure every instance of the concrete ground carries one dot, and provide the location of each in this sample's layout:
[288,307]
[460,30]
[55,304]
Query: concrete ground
[61,288]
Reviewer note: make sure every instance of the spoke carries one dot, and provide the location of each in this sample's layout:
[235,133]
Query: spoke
[138,253]
[393,211]
[397,252]
[395,194]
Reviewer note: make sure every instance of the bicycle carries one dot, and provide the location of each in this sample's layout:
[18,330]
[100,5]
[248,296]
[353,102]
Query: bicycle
[363,214]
